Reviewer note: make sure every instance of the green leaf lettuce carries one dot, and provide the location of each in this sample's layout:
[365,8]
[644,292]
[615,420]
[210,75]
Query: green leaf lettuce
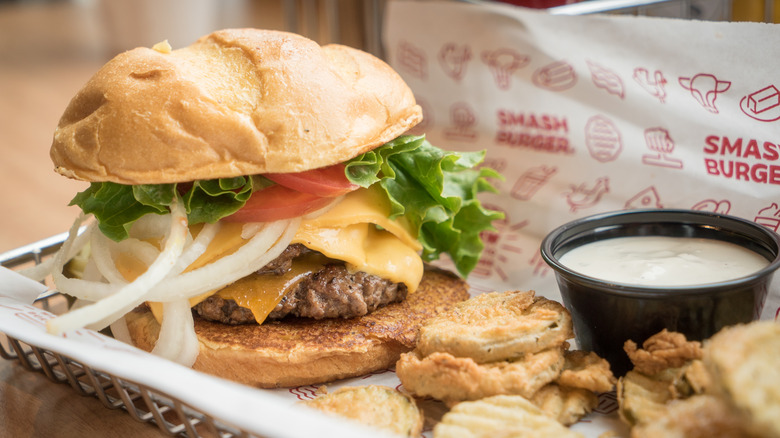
[435,190]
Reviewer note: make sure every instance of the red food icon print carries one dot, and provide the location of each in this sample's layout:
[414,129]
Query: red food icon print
[769,217]
[556,76]
[654,84]
[602,139]
[606,79]
[503,63]
[531,181]
[660,142]
[763,105]
[723,206]
[412,60]
[463,123]
[647,198]
[584,196]
[453,59]
[705,88]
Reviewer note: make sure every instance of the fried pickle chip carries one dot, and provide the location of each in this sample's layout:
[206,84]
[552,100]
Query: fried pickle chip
[497,326]
[642,398]
[499,416]
[744,361]
[454,379]
[375,406]
[586,370]
[663,350]
[565,404]
[699,416]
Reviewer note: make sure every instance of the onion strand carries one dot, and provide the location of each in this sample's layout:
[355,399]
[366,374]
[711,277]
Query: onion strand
[102,313]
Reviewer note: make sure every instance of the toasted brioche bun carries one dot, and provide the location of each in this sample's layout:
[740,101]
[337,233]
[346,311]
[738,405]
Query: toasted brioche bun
[236,102]
[295,352]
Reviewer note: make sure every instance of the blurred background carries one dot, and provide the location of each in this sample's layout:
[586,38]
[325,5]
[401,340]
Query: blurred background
[49,49]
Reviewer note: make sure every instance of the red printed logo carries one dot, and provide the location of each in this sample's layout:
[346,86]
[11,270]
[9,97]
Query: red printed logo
[705,88]
[602,139]
[584,196]
[412,60]
[655,84]
[557,76]
[503,63]
[647,198]
[762,105]
[606,79]
[454,59]
[463,123]
[660,142]
[769,217]
[531,181]
[723,206]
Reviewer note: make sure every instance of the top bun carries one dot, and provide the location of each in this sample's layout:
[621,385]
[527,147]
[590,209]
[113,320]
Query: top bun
[236,102]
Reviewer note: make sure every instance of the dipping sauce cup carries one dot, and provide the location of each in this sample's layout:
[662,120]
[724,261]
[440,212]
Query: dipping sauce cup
[607,313]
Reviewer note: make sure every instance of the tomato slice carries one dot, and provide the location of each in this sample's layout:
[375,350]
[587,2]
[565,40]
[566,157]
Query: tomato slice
[327,181]
[277,202]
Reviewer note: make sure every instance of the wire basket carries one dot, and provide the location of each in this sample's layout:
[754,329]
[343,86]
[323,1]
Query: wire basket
[144,404]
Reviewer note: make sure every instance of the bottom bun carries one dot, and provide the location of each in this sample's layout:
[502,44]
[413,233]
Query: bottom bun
[299,351]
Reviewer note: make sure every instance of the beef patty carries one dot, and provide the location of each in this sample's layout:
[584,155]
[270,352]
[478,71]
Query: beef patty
[331,292]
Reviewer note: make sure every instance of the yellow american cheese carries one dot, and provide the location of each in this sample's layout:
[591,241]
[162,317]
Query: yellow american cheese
[356,231]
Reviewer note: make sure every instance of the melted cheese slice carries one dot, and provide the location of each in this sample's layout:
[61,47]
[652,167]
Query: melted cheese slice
[367,206]
[356,230]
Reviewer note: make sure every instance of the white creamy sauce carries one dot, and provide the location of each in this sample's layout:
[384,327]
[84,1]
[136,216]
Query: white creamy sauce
[663,261]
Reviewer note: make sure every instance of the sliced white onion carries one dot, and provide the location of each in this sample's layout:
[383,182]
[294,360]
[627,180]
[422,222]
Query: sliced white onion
[143,251]
[72,245]
[177,340]
[197,247]
[104,259]
[151,226]
[109,309]
[82,289]
[250,229]
[108,296]
[264,247]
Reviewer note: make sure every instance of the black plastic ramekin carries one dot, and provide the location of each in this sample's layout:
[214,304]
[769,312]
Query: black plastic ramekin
[606,314]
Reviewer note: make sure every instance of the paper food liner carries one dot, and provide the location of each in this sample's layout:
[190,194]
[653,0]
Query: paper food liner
[582,115]
[589,114]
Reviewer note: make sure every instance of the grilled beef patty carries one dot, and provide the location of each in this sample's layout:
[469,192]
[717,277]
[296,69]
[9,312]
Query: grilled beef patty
[331,292]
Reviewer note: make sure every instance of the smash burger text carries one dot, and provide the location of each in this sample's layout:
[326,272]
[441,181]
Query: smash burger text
[540,132]
[742,159]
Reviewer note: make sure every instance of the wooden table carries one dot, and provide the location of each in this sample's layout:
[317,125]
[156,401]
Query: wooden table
[33,406]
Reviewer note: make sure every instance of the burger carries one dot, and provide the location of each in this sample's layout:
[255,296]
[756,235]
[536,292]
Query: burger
[257,210]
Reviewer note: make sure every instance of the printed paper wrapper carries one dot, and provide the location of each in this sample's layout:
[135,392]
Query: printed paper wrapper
[581,114]
[589,114]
